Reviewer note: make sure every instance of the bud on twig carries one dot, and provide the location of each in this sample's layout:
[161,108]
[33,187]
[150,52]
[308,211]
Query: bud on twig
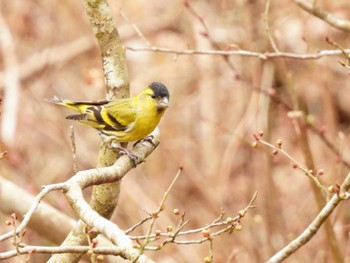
[320,172]
[279,143]
[206,233]
[100,258]
[241,213]
[238,227]
[176,211]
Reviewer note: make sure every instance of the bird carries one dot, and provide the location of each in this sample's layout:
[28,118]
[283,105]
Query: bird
[121,120]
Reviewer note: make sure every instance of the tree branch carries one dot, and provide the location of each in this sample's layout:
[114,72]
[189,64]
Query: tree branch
[311,8]
[104,197]
[261,55]
[315,225]
[83,179]
[61,250]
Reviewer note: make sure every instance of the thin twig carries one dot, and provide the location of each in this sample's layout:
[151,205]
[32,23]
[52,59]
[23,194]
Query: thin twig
[261,55]
[15,241]
[267,26]
[297,164]
[33,208]
[136,28]
[129,230]
[196,15]
[160,209]
[230,224]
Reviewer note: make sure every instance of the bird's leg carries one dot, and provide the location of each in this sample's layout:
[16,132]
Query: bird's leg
[125,151]
[148,138]
[114,145]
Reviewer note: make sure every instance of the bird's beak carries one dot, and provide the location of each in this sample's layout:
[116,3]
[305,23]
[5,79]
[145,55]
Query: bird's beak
[163,103]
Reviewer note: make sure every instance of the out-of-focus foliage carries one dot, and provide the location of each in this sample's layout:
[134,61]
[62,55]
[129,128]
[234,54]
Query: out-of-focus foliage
[208,129]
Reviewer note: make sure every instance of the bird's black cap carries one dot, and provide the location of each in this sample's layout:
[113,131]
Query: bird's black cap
[159,90]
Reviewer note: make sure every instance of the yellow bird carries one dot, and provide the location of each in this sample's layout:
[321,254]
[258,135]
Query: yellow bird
[122,120]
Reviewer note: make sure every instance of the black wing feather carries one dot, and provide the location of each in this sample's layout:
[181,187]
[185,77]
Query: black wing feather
[77,117]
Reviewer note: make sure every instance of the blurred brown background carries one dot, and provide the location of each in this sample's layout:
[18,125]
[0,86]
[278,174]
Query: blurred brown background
[214,110]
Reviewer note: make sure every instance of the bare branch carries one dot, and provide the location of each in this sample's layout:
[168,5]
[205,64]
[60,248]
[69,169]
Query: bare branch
[61,250]
[83,179]
[217,227]
[107,175]
[160,209]
[262,56]
[311,8]
[136,28]
[47,221]
[267,26]
[33,208]
[315,225]
[309,173]
[138,224]
[104,197]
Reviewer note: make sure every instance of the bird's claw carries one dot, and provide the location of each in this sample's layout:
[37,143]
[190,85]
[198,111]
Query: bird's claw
[148,138]
[124,151]
[132,156]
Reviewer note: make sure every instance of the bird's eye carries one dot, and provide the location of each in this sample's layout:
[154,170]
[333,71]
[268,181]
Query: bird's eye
[153,96]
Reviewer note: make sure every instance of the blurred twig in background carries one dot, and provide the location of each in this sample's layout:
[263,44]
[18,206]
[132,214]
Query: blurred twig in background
[312,8]
[11,84]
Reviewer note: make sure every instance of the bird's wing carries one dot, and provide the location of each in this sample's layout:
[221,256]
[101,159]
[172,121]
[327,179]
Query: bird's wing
[119,114]
[114,115]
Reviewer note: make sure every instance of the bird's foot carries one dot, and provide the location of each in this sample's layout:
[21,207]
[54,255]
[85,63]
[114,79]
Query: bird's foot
[124,151]
[132,156]
[148,138]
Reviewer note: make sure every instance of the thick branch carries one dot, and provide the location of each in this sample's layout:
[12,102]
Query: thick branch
[104,197]
[103,175]
[112,51]
[83,179]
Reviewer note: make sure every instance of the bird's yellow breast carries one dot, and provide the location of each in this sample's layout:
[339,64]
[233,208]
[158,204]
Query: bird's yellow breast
[148,117]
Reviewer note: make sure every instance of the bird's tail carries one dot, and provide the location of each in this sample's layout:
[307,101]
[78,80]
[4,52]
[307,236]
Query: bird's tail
[67,103]
[56,100]
[79,106]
